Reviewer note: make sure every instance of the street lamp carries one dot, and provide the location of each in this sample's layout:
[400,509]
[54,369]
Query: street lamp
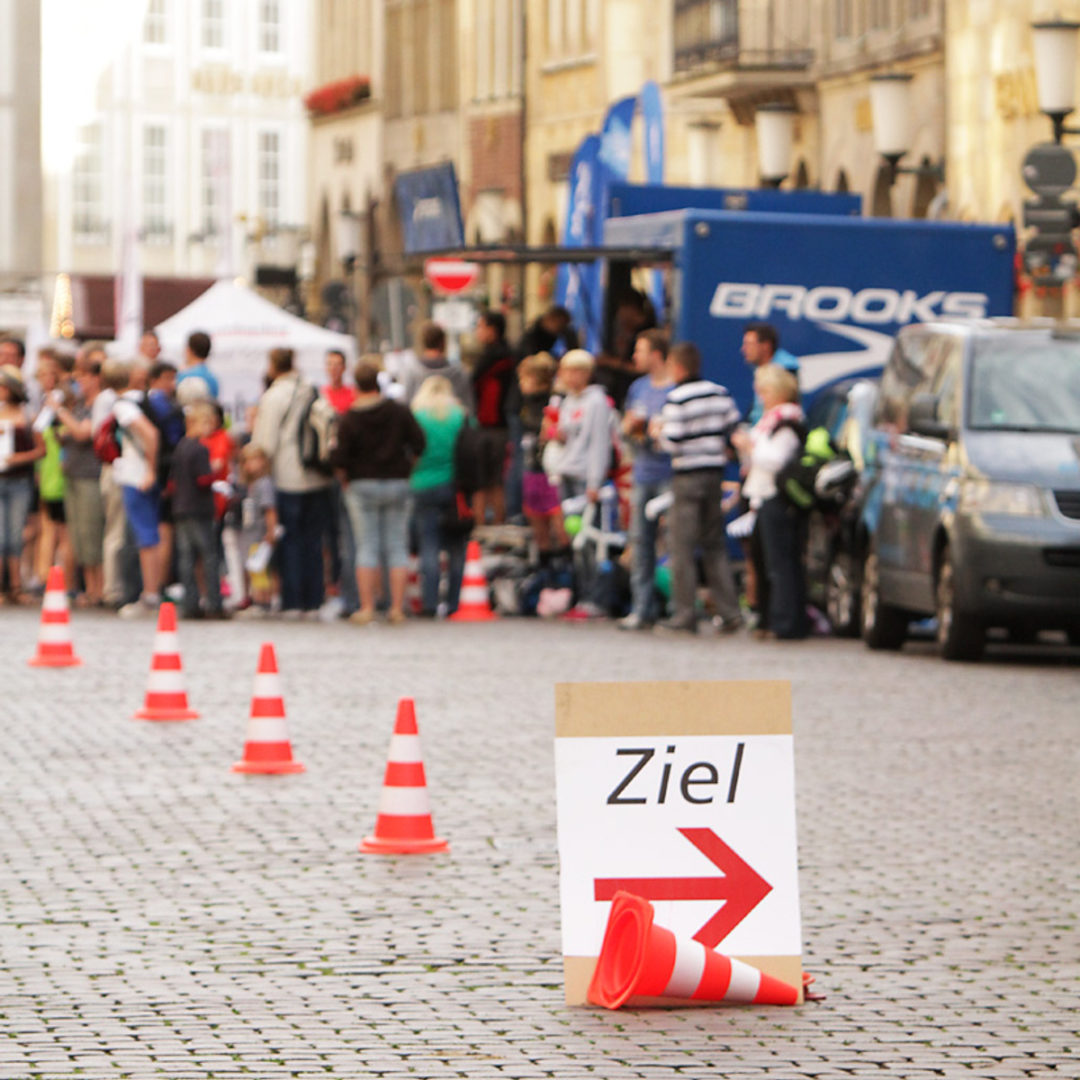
[890,102]
[1055,71]
[775,126]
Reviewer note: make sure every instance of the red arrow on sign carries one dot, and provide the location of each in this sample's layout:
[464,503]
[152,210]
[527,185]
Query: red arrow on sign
[741,888]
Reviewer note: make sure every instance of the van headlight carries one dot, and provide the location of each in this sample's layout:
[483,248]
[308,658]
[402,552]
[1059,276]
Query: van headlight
[992,497]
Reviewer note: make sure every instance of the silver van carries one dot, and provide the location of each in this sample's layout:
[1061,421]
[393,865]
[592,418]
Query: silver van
[971,506]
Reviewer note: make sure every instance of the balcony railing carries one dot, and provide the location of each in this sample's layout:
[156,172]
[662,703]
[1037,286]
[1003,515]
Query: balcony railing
[746,34]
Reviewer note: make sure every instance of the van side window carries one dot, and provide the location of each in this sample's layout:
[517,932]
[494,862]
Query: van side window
[903,374]
[948,382]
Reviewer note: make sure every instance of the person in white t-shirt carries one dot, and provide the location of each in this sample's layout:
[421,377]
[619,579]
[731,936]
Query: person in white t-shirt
[135,471]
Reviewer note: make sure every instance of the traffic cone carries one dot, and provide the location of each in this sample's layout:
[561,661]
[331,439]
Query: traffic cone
[404,825]
[474,604]
[54,647]
[267,749]
[641,959]
[166,698]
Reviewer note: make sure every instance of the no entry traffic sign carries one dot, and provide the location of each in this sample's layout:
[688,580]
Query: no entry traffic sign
[684,794]
[451,275]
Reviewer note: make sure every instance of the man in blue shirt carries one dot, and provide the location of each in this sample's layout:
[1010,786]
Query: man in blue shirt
[198,349]
[652,470]
[761,346]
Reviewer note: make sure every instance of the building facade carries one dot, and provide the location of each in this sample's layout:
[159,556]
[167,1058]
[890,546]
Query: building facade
[20,174]
[196,144]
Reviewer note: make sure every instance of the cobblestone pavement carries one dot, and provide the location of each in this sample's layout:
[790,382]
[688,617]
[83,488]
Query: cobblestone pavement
[161,916]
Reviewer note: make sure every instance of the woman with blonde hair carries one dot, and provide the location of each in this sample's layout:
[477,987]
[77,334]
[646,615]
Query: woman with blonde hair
[435,493]
[776,544]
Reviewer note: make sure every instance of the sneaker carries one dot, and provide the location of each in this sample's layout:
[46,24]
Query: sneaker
[138,609]
[252,611]
[677,626]
[728,626]
[633,621]
[585,610]
[362,618]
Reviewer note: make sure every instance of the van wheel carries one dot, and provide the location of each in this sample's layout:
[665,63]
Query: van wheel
[842,595]
[883,626]
[960,636]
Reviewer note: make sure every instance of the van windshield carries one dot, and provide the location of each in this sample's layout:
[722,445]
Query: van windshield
[1025,384]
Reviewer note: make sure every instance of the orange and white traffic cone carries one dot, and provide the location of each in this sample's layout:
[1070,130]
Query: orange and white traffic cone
[474,605]
[267,749]
[54,647]
[404,825]
[640,959]
[166,698]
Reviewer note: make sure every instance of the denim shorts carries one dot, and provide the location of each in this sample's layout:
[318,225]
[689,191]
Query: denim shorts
[379,514]
[141,508]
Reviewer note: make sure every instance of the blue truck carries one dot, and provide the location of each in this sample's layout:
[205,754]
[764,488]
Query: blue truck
[835,286]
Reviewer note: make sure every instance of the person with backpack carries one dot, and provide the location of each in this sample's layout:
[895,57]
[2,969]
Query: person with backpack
[135,471]
[776,544]
[163,411]
[492,377]
[438,522]
[283,430]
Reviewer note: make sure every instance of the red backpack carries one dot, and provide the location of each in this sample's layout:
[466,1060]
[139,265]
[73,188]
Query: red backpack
[106,444]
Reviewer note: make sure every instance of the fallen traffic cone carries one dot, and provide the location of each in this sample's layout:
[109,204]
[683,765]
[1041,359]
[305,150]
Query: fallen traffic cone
[474,605]
[166,698]
[404,825]
[641,959]
[54,639]
[267,749]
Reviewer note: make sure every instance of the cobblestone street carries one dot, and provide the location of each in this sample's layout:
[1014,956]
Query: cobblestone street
[161,916]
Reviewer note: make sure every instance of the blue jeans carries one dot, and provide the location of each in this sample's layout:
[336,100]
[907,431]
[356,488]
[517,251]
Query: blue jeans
[429,506]
[515,470]
[346,551]
[379,512]
[15,495]
[196,540]
[303,516]
[643,534]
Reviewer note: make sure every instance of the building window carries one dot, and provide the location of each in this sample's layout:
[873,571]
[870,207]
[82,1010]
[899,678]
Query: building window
[879,15]
[213,24]
[88,196]
[573,27]
[445,88]
[393,88]
[156,23]
[213,176]
[269,164]
[844,19]
[705,30]
[269,26]
[155,183]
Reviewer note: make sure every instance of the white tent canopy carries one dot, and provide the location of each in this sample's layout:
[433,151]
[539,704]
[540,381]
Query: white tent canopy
[243,328]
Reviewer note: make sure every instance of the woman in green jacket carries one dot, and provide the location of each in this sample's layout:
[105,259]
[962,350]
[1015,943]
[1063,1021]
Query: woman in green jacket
[434,489]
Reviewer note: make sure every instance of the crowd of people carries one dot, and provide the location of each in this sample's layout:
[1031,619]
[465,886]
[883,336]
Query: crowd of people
[620,473]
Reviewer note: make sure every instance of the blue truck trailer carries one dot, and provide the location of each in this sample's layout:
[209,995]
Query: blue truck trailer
[835,287]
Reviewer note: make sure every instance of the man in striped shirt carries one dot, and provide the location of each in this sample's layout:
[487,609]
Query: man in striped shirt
[694,426]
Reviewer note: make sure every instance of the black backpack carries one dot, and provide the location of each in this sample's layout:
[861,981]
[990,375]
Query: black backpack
[172,420]
[798,480]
